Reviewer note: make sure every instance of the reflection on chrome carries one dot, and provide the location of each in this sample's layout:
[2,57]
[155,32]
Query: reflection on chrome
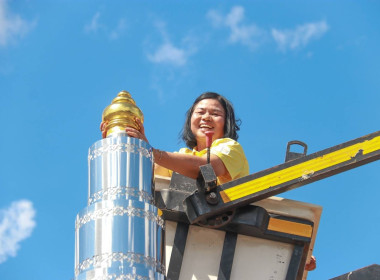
[122,147]
[120,192]
[130,258]
[117,211]
[119,234]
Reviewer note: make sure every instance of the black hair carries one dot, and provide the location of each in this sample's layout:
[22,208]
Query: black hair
[231,125]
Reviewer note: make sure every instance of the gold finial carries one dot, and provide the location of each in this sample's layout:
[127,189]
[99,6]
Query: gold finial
[121,114]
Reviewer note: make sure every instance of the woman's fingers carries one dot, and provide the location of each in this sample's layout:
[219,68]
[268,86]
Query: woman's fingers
[141,134]
[103,128]
[135,133]
[132,132]
[140,124]
[312,264]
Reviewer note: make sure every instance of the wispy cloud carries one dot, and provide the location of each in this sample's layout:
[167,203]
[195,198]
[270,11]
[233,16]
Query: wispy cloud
[12,26]
[253,36]
[16,224]
[121,26]
[95,26]
[247,34]
[168,53]
[300,36]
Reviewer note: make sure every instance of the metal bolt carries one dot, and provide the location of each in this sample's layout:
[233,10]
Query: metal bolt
[212,198]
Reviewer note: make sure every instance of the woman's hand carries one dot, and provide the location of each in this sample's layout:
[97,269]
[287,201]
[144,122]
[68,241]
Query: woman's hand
[312,264]
[140,134]
[132,132]
[103,129]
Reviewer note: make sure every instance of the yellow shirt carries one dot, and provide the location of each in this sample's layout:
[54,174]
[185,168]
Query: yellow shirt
[232,155]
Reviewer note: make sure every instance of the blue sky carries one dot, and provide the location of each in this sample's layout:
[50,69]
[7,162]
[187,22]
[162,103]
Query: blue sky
[294,70]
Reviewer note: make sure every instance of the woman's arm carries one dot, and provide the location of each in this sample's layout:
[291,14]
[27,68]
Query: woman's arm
[188,165]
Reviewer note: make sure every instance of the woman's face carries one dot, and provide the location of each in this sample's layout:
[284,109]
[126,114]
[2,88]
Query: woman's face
[208,115]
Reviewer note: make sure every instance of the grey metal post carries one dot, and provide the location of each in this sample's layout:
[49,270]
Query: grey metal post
[118,235]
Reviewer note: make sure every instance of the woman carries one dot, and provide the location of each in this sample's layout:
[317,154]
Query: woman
[209,112]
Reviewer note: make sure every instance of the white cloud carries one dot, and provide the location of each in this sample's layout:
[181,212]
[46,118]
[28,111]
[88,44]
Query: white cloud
[215,17]
[11,25]
[16,224]
[300,36]
[168,53]
[246,34]
[121,26]
[93,25]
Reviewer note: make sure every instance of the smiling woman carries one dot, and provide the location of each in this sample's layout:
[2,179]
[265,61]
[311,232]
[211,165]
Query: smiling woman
[208,116]
[210,113]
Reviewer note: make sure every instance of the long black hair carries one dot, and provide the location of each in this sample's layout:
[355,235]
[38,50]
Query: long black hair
[231,125]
